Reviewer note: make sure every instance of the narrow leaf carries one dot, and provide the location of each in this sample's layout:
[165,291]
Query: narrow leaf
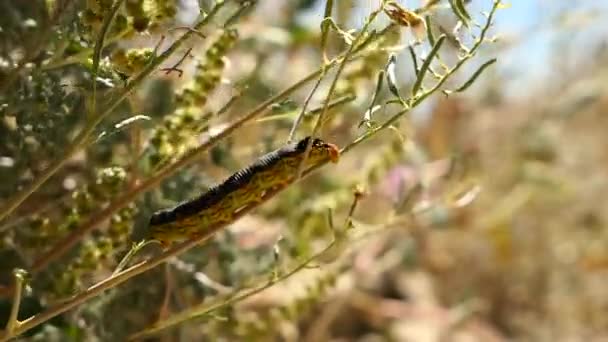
[427,63]
[414,59]
[429,30]
[470,81]
[460,11]
[462,8]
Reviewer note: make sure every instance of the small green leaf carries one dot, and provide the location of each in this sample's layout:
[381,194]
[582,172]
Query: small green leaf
[429,30]
[470,81]
[427,64]
[460,11]
[414,59]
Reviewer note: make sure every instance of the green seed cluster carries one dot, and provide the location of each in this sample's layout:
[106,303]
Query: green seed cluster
[139,18]
[134,16]
[131,61]
[178,132]
[160,11]
[84,201]
[175,136]
[208,73]
[96,253]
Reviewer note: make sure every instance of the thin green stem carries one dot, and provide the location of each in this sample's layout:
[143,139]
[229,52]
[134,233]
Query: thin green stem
[206,308]
[130,254]
[335,103]
[13,322]
[105,27]
[329,5]
[300,116]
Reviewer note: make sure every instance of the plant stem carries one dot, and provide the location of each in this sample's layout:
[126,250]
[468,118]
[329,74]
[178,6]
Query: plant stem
[105,26]
[329,5]
[300,116]
[205,308]
[13,322]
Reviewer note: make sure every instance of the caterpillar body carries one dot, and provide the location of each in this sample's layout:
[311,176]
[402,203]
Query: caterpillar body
[273,171]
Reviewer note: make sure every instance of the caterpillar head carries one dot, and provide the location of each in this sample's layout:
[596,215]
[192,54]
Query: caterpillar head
[319,150]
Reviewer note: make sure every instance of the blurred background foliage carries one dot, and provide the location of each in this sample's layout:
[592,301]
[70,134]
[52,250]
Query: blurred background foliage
[484,214]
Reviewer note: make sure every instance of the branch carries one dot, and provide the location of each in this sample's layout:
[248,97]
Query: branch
[13,322]
[105,27]
[207,308]
[300,116]
[329,5]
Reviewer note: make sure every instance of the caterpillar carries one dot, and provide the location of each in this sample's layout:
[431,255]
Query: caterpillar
[273,171]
